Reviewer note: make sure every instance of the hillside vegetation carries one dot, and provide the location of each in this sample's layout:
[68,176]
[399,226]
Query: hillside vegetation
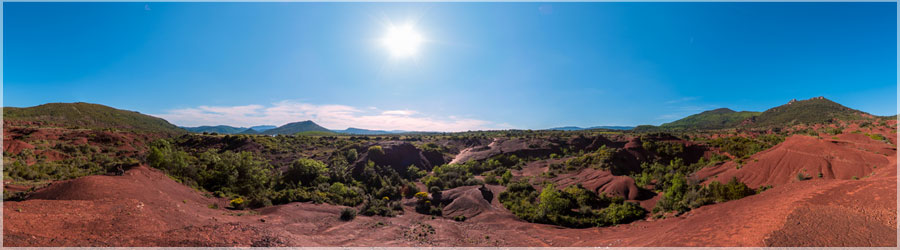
[812,111]
[87,115]
[221,129]
[712,119]
[815,110]
[296,127]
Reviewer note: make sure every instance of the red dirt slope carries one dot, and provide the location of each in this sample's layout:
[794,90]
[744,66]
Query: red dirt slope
[834,159]
[141,208]
[146,208]
[600,181]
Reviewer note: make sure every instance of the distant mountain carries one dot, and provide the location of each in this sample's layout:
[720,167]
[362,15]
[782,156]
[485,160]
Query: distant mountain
[573,128]
[814,110]
[360,131]
[613,127]
[569,128]
[249,131]
[712,119]
[811,111]
[221,129]
[295,127]
[88,115]
[262,128]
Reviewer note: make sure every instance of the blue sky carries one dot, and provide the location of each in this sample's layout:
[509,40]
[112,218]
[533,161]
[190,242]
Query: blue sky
[481,65]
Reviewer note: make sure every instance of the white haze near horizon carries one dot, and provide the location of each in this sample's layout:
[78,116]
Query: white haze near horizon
[328,116]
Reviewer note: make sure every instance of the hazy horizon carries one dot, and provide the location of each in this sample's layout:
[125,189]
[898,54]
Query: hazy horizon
[448,66]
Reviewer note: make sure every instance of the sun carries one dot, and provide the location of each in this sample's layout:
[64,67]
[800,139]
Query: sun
[402,41]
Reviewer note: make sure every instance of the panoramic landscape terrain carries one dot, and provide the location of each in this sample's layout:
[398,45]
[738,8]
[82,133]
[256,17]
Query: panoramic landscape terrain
[807,173]
[462,124]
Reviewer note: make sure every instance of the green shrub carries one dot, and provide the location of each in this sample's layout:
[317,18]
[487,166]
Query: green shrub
[877,137]
[682,196]
[14,196]
[348,214]
[238,203]
[740,147]
[574,206]
[304,172]
[599,159]
[451,176]
[375,151]
[618,213]
[380,207]
[415,173]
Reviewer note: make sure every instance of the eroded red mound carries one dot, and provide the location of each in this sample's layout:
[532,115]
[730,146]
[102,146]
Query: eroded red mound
[600,181]
[782,163]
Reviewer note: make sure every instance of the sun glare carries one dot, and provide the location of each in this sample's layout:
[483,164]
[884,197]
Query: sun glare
[402,41]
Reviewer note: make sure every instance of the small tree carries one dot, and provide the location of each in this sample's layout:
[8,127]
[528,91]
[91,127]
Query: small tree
[304,171]
[376,151]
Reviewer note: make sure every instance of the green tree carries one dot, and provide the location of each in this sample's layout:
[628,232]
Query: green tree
[552,202]
[304,171]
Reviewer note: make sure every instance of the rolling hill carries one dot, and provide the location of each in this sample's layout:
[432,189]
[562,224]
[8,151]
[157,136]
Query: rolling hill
[360,131]
[88,115]
[262,128]
[295,127]
[221,129]
[712,119]
[810,111]
[814,110]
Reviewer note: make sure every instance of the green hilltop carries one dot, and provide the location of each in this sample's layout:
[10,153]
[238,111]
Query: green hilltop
[814,110]
[712,119]
[296,127]
[221,129]
[88,115]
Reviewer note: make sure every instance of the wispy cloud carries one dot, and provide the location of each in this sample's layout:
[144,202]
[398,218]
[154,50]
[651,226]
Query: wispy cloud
[401,113]
[680,100]
[329,116]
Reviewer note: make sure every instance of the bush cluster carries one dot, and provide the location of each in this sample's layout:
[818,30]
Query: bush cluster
[573,206]
[599,159]
[742,147]
[681,195]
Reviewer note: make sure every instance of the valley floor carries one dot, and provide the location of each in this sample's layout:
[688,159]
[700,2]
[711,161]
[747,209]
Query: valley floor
[146,208]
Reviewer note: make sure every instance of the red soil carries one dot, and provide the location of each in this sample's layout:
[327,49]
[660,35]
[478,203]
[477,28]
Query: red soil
[800,154]
[466,201]
[600,181]
[522,147]
[146,208]
[15,146]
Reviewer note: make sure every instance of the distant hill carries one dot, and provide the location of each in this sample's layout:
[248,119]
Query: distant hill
[249,131]
[295,127]
[262,128]
[712,119]
[317,133]
[613,127]
[221,129]
[573,128]
[569,128]
[815,110]
[88,115]
[360,131]
[811,111]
